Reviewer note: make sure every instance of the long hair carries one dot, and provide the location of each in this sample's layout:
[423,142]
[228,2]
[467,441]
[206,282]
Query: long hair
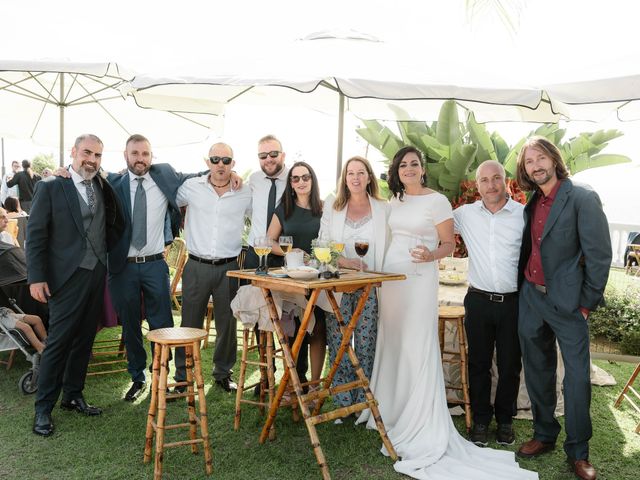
[395,185]
[12,205]
[343,194]
[289,195]
[549,149]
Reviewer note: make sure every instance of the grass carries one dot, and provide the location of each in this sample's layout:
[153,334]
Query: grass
[111,446]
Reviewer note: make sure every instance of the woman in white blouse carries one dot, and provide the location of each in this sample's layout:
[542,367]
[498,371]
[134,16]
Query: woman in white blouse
[356,212]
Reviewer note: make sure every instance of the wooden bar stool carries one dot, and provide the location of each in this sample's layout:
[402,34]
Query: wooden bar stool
[164,339]
[455,315]
[266,355]
[625,394]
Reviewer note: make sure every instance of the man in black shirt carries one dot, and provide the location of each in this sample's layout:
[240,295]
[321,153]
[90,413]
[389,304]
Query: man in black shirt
[26,181]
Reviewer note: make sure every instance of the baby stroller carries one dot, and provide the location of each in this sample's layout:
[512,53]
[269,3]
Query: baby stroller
[13,278]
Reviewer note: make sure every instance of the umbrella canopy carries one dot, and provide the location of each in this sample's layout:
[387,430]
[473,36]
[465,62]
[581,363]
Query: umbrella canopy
[53,102]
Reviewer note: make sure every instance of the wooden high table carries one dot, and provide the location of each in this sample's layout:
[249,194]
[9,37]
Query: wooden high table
[350,281]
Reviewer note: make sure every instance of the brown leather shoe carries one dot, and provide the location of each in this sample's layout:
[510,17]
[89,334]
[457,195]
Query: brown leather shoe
[534,447]
[582,469]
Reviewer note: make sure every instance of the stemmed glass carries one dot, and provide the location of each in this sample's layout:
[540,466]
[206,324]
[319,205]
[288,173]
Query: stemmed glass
[361,246]
[286,244]
[262,248]
[414,241]
[322,252]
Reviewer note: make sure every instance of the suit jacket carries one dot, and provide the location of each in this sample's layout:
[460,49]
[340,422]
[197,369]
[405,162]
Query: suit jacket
[168,181]
[57,239]
[575,248]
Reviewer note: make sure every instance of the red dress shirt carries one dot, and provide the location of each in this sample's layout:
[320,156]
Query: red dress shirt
[541,208]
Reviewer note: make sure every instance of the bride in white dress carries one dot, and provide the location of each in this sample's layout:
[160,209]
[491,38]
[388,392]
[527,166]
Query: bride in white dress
[407,377]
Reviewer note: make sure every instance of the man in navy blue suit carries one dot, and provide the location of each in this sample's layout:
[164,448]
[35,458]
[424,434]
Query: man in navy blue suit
[138,274]
[74,222]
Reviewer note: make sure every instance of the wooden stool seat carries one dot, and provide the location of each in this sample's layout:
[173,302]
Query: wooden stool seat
[164,339]
[627,391]
[455,314]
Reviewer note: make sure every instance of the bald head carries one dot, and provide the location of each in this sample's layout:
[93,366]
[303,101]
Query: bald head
[492,186]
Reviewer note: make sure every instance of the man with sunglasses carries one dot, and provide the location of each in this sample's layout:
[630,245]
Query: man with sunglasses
[213,231]
[138,274]
[267,186]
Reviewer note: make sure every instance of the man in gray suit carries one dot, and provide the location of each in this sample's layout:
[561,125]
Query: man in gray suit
[563,271]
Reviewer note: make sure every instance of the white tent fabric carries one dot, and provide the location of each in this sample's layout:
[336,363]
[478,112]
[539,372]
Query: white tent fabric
[52,102]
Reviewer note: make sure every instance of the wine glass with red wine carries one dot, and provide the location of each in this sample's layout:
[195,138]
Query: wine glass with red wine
[362,247]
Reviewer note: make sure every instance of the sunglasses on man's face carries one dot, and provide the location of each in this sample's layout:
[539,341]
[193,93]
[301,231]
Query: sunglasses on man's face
[296,178]
[272,154]
[224,160]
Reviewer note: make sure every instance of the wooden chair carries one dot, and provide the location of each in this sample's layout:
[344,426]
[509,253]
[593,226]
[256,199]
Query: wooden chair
[176,257]
[634,255]
[165,339]
[626,394]
[455,315]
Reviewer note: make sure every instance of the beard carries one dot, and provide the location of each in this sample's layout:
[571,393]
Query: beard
[548,174]
[139,168]
[87,173]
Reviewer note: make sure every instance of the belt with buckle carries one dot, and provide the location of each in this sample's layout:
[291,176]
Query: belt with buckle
[212,261]
[541,288]
[148,258]
[493,296]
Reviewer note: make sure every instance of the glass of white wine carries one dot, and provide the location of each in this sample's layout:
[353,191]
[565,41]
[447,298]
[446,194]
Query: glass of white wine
[322,251]
[414,242]
[286,244]
[262,248]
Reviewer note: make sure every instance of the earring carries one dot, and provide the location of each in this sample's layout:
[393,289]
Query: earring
[421,180]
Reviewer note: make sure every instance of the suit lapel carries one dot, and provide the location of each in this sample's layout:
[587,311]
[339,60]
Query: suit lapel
[558,205]
[125,193]
[71,194]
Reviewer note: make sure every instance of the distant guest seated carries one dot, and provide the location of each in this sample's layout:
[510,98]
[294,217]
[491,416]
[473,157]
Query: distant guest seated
[13,208]
[30,325]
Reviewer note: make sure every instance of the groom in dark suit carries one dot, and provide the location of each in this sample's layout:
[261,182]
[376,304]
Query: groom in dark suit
[74,221]
[563,271]
[138,274]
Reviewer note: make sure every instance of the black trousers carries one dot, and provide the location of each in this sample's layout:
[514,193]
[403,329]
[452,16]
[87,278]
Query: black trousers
[492,326]
[73,318]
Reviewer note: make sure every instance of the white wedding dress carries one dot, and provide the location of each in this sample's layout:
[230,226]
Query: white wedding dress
[407,377]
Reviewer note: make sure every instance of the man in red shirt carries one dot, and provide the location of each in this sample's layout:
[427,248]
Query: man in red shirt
[563,271]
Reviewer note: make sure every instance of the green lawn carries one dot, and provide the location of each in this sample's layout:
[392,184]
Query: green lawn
[111,446]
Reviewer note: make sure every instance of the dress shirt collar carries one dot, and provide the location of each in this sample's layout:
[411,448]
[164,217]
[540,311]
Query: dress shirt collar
[552,193]
[282,175]
[507,207]
[75,176]
[204,179]
[133,176]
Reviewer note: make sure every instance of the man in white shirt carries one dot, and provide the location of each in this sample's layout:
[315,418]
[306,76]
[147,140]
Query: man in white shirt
[492,231]
[5,190]
[213,231]
[267,186]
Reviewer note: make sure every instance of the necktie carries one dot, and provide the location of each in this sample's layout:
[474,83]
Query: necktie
[271,205]
[91,195]
[139,230]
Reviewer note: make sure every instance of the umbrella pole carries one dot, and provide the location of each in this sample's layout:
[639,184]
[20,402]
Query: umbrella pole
[340,136]
[61,103]
[2,148]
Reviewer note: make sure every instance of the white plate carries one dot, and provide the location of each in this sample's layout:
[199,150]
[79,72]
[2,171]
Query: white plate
[303,273]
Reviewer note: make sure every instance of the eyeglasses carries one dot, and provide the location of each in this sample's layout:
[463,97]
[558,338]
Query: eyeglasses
[272,154]
[225,160]
[327,275]
[296,178]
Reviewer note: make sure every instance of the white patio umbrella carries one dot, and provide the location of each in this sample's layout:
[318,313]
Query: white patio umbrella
[335,72]
[51,103]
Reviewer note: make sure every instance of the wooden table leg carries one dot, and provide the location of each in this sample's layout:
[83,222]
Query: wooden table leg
[290,374]
[346,346]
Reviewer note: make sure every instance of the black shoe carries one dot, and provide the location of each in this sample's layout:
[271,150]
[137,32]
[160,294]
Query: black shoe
[42,424]
[135,391]
[81,406]
[480,435]
[505,435]
[227,384]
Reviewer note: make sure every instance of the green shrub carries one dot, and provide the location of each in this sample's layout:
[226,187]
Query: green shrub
[630,343]
[619,317]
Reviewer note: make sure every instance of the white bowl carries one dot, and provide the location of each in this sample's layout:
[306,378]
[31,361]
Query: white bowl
[303,273]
